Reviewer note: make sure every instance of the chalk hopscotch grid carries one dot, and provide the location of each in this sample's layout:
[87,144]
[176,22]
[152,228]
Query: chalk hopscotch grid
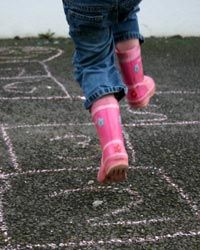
[159,171]
[49,75]
[44,65]
[163,175]
[40,50]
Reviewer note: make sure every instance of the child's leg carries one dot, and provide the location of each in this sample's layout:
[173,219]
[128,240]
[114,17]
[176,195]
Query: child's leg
[127,45]
[140,88]
[106,117]
[100,81]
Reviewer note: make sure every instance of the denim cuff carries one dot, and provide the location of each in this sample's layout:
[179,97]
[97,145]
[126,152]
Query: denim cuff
[127,36]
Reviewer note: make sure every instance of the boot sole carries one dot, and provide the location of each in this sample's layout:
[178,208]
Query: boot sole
[144,103]
[117,173]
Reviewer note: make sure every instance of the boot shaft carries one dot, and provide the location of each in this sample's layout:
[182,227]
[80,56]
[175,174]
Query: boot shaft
[107,120]
[130,62]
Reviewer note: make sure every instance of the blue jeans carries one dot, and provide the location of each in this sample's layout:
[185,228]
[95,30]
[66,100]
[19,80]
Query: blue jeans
[95,27]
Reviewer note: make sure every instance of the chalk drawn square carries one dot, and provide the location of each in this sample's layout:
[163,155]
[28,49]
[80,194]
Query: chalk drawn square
[48,146]
[175,147]
[57,207]
[54,147]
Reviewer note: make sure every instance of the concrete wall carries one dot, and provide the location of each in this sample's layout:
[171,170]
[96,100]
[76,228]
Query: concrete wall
[157,17]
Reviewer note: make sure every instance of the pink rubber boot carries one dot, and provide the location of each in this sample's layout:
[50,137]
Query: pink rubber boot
[114,162]
[140,88]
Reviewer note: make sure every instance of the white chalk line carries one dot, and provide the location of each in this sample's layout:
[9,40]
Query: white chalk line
[10,147]
[179,92]
[146,168]
[59,53]
[83,144]
[17,61]
[143,124]
[129,145]
[64,97]
[161,117]
[14,58]
[25,77]
[10,57]
[3,225]
[54,79]
[144,222]
[8,69]
[54,170]
[78,97]
[92,189]
[60,157]
[30,53]
[82,189]
[193,206]
[46,125]
[71,97]
[35,98]
[179,123]
[11,87]
[45,171]
[20,73]
[117,241]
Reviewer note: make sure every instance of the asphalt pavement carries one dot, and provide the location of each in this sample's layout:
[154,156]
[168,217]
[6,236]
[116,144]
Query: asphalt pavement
[49,154]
